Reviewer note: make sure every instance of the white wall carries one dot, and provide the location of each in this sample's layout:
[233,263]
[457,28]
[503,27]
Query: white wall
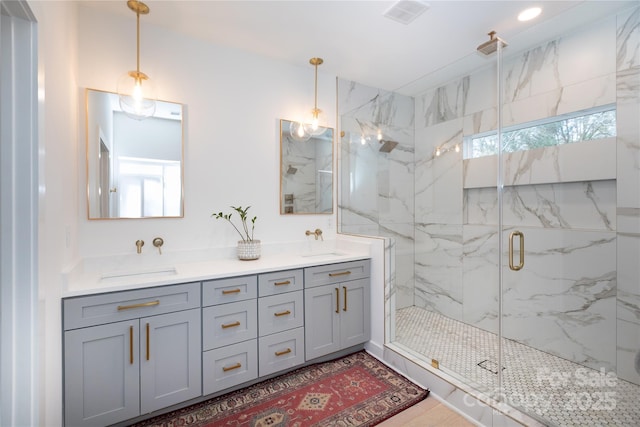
[233,101]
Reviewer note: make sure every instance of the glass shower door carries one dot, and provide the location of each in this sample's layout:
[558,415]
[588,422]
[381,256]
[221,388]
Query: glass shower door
[570,229]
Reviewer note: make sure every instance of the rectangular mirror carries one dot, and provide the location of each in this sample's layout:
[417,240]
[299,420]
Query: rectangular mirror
[306,171]
[134,167]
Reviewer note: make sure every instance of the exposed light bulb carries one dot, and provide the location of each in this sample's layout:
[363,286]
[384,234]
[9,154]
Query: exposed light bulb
[363,140]
[379,135]
[300,132]
[438,152]
[457,148]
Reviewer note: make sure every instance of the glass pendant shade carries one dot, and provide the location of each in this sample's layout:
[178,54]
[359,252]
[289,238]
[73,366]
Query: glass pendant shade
[313,125]
[137,96]
[298,132]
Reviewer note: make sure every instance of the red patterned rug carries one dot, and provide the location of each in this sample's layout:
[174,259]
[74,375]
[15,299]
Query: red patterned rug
[356,390]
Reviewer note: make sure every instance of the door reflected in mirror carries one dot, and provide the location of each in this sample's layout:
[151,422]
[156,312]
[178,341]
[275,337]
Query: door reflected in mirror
[134,167]
[306,171]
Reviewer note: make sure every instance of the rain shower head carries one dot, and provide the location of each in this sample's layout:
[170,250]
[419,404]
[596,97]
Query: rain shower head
[488,47]
[387,145]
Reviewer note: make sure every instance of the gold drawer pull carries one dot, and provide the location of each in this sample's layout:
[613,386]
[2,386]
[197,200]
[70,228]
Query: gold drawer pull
[286,282]
[230,291]
[231,325]
[342,273]
[144,304]
[282,313]
[232,367]
[283,352]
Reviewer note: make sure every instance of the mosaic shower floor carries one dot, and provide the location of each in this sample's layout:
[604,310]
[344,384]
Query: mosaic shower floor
[553,390]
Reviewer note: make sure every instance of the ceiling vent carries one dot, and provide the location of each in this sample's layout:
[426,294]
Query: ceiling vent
[405,11]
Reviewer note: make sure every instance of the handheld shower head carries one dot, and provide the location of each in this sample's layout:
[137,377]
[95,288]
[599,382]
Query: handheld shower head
[488,47]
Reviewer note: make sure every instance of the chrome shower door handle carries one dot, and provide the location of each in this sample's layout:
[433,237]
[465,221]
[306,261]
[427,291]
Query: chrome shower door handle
[521,263]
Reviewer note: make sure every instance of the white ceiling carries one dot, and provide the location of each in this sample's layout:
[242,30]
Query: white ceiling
[358,43]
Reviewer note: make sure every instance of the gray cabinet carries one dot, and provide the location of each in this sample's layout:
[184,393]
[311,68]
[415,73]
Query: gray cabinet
[116,370]
[336,299]
[229,332]
[281,321]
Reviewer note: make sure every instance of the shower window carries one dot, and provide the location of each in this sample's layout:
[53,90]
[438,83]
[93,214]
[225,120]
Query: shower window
[580,126]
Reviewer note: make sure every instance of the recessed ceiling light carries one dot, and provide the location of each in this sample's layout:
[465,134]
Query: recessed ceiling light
[529,14]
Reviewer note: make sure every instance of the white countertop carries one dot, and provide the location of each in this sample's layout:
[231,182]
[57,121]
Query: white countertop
[133,271]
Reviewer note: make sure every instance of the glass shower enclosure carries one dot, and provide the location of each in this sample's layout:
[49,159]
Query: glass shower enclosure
[512,199]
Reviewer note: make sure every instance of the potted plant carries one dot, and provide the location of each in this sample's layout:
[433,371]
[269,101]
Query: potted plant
[248,247]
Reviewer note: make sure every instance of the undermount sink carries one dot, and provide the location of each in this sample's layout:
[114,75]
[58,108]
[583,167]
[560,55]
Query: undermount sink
[149,272]
[329,253]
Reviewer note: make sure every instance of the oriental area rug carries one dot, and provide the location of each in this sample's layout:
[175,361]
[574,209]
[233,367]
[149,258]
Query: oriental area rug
[356,390]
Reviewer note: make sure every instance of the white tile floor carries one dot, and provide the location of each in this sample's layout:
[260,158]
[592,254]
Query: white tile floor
[551,389]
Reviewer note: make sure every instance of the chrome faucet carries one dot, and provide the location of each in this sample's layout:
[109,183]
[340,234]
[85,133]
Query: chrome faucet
[139,245]
[158,242]
[317,233]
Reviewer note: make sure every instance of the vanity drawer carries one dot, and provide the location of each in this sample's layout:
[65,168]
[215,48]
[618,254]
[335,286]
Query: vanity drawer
[336,273]
[280,282]
[228,324]
[281,351]
[232,289]
[278,313]
[80,312]
[228,366]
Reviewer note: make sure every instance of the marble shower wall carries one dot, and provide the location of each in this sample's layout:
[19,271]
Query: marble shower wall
[574,292]
[375,188]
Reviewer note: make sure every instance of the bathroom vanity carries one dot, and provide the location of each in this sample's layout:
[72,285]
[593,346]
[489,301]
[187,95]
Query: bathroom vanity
[135,349]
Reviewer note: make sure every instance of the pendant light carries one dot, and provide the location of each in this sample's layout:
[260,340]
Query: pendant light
[303,131]
[136,91]
[313,126]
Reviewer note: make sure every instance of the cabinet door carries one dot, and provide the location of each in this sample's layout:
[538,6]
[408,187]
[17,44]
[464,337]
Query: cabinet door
[321,315]
[170,359]
[354,313]
[101,374]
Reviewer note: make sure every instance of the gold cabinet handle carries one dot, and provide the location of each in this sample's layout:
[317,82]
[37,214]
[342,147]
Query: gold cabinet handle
[342,273]
[232,367]
[521,263]
[231,325]
[282,313]
[144,304]
[131,345]
[230,291]
[337,300]
[283,352]
[344,288]
[286,282]
[148,352]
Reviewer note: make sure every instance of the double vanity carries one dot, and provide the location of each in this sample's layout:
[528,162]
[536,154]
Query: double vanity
[139,343]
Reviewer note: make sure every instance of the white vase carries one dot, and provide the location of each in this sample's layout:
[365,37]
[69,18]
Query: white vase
[248,250]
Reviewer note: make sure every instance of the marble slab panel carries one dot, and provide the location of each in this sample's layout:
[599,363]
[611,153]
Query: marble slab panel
[628,355]
[404,280]
[628,153]
[564,300]
[576,57]
[628,265]
[480,276]
[573,205]
[628,39]
[438,187]
[438,269]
